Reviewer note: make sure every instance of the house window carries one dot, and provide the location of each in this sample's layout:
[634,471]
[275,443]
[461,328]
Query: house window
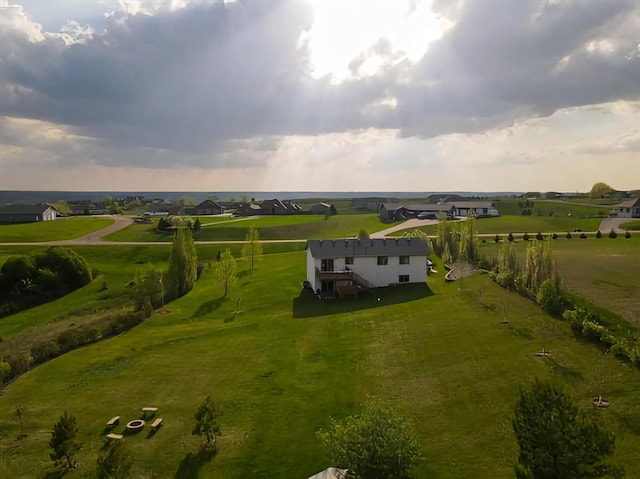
[383,260]
[327,265]
[403,278]
[404,260]
[348,260]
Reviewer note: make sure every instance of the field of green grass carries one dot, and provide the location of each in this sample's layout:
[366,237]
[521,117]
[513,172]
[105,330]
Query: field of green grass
[577,209]
[60,229]
[631,225]
[283,365]
[269,228]
[520,224]
[603,271]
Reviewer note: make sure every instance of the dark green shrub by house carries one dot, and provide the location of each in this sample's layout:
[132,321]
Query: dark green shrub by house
[613,234]
[569,236]
[599,234]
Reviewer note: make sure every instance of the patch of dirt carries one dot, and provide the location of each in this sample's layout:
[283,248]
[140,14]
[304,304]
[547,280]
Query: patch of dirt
[163,311]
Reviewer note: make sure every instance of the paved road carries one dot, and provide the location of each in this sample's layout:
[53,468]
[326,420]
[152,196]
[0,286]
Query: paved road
[608,223]
[121,222]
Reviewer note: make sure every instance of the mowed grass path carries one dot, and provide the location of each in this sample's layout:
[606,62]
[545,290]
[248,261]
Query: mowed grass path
[445,359]
[520,224]
[269,228]
[58,230]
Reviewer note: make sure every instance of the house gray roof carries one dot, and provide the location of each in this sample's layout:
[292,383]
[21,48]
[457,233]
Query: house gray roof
[629,203]
[207,204]
[472,204]
[340,248]
[24,209]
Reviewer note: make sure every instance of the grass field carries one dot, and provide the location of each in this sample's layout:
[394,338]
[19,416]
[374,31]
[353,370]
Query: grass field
[269,228]
[60,229]
[602,270]
[444,358]
[512,206]
[631,225]
[521,224]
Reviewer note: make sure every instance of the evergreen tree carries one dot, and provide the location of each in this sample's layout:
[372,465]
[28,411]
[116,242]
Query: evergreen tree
[197,225]
[63,441]
[252,248]
[557,439]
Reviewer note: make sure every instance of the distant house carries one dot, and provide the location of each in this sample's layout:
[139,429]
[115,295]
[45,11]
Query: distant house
[370,203]
[82,208]
[627,209]
[398,212]
[269,207]
[320,208]
[27,213]
[332,264]
[479,208]
[208,207]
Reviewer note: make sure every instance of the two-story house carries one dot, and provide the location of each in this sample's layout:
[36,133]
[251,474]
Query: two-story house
[368,263]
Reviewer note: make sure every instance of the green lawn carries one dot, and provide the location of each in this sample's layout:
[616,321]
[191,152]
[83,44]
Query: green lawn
[444,358]
[631,225]
[60,229]
[513,206]
[269,227]
[522,224]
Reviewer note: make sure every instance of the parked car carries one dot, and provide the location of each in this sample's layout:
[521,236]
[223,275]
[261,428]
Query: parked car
[427,216]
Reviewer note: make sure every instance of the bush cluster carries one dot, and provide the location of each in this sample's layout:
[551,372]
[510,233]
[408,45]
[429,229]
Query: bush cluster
[29,280]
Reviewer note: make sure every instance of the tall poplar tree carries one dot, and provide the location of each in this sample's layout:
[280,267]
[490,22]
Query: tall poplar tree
[183,263]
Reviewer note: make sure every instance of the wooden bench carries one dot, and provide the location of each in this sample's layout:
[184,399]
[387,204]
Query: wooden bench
[117,437]
[156,424]
[149,410]
[113,421]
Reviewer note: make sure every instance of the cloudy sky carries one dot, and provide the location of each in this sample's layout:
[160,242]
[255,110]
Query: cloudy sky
[319,95]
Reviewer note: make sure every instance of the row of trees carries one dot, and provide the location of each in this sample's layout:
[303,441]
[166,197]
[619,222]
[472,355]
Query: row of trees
[114,460]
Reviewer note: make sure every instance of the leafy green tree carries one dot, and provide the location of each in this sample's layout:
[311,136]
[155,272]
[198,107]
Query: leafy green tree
[183,264]
[114,462]
[63,441]
[207,422]
[187,201]
[226,273]
[557,439]
[197,225]
[377,443]
[252,248]
[363,235]
[600,190]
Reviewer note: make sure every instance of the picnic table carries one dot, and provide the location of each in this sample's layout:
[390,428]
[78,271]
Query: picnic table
[112,435]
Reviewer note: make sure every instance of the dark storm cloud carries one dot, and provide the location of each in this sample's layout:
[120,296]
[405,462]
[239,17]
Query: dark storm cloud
[199,79]
[502,61]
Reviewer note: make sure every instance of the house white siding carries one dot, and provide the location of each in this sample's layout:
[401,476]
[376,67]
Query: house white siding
[311,270]
[49,214]
[385,275]
[368,268]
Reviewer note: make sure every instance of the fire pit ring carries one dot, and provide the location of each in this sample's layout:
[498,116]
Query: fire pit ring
[135,425]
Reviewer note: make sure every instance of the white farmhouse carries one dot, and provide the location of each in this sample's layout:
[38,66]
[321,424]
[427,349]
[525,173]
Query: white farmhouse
[369,263]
